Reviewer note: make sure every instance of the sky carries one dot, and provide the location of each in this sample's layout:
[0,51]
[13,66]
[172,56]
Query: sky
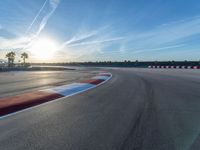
[100,30]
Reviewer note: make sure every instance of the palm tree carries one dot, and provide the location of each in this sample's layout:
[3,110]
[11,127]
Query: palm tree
[24,56]
[11,58]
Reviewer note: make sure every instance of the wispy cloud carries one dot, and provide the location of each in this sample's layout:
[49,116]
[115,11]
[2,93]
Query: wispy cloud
[82,36]
[162,38]
[86,43]
[95,42]
[170,34]
[22,43]
[36,17]
[10,44]
[158,49]
[53,4]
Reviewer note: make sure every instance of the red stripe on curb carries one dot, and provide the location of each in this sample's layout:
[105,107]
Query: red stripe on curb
[16,103]
[93,81]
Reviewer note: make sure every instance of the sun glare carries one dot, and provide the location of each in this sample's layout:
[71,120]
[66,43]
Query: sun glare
[43,48]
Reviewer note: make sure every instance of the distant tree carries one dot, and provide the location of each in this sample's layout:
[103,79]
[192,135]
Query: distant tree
[11,58]
[24,56]
[136,62]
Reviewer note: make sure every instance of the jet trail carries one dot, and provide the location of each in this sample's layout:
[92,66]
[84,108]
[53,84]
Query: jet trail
[38,14]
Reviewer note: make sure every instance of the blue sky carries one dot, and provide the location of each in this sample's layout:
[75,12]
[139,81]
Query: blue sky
[96,30]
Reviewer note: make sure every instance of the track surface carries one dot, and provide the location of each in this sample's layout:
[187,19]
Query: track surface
[140,109]
[17,82]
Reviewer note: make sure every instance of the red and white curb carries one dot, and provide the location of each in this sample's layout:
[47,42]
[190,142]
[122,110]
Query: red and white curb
[14,104]
[174,67]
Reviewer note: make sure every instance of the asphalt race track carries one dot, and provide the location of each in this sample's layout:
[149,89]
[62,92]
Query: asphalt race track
[17,82]
[137,109]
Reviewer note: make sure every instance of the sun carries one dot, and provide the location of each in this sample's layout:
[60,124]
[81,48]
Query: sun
[43,48]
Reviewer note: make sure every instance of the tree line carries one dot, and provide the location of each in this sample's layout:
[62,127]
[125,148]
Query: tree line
[11,58]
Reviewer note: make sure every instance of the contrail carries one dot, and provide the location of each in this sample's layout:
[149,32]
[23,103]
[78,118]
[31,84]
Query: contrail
[53,4]
[95,42]
[75,39]
[78,38]
[38,14]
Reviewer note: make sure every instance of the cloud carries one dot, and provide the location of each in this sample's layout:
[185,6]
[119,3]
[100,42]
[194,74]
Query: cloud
[170,34]
[36,17]
[91,38]
[54,4]
[87,43]
[25,41]
[11,44]
[95,42]
[83,35]
[79,38]
[159,48]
